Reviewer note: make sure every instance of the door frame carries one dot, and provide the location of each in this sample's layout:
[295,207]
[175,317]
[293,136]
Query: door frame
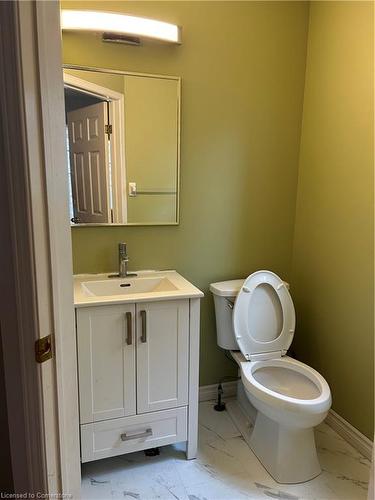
[44,429]
[19,324]
[117,119]
[52,106]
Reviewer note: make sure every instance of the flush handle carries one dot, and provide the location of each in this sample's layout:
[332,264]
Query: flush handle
[129,329]
[144,326]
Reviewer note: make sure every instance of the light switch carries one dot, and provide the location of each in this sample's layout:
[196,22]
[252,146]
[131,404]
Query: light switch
[132,189]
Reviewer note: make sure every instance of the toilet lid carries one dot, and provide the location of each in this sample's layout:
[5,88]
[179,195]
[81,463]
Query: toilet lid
[264,317]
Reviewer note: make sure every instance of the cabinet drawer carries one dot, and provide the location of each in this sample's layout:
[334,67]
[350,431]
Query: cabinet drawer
[127,434]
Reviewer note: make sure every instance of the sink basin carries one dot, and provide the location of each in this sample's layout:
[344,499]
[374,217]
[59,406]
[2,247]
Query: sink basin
[148,285]
[127,286]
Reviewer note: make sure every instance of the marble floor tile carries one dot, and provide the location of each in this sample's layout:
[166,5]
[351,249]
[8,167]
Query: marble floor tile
[226,469]
[215,424]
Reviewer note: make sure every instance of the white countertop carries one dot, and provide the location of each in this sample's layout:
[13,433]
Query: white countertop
[83,297]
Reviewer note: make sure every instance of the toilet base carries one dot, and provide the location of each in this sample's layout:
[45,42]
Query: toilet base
[288,454]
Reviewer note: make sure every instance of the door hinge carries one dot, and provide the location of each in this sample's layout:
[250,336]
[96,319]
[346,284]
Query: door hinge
[108,129]
[44,349]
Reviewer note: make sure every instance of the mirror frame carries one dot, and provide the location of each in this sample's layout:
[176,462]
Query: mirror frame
[178,183]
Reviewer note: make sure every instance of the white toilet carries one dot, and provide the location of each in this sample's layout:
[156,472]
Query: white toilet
[257,317]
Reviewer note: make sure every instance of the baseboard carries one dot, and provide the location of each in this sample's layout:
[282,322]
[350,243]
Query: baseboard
[352,435]
[209,392]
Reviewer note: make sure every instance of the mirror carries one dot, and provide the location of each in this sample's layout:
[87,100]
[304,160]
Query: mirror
[123,144]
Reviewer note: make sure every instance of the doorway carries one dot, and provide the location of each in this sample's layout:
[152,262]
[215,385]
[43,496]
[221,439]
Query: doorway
[94,117]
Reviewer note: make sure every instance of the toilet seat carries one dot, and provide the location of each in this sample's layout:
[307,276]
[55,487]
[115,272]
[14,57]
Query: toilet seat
[263,317]
[296,369]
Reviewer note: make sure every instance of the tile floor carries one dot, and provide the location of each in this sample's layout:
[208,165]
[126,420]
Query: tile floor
[225,469]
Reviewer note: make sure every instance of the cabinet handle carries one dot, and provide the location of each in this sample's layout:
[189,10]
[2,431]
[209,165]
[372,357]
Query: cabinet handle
[144,326]
[126,437]
[129,333]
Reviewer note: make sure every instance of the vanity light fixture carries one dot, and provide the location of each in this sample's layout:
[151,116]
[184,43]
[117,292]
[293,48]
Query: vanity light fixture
[121,24]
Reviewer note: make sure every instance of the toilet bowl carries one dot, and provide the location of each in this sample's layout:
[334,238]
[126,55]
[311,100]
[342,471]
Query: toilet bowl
[290,397]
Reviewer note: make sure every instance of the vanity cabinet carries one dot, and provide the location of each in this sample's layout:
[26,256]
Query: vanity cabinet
[137,389]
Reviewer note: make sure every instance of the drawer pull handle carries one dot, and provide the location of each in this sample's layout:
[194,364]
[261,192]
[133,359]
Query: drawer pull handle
[146,433]
[129,333]
[144,326]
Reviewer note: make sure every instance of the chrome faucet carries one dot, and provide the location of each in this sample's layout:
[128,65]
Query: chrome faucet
[123,261]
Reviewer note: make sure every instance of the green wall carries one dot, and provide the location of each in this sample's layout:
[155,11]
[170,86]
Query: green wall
[242,66]
[243,71]
[333,271]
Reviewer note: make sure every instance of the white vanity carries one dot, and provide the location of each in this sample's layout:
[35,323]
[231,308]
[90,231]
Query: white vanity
[138,362]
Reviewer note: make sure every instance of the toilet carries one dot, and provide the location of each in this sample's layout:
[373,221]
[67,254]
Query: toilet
[255,320]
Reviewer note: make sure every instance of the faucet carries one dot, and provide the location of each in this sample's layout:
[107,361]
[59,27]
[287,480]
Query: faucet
[123,260]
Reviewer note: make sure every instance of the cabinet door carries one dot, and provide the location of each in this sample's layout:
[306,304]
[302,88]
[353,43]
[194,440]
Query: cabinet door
[106,362]
[162,354]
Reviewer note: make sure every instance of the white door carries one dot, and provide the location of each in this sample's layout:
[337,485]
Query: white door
[162,354]
[88,146]
[106,362]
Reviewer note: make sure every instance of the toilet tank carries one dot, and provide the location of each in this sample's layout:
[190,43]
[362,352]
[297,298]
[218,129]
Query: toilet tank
[225,293]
